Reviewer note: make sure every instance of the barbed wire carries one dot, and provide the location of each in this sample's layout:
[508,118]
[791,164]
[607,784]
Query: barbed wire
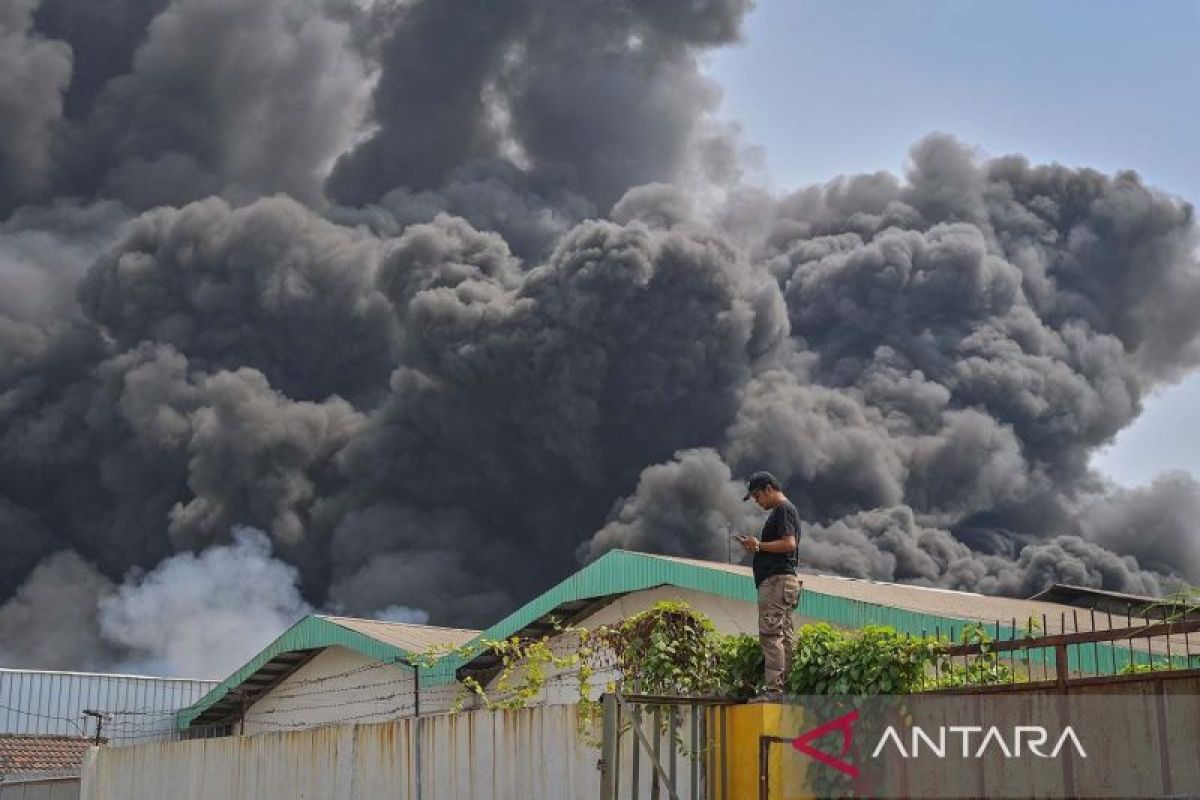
[134,727]
[319,694]
[290,695]
[54,717]
[295,688]
[346,673]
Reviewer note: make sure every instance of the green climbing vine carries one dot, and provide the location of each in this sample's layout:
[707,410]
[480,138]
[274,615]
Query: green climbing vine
[873,660]
[985,669]
[671,649]
[667,649]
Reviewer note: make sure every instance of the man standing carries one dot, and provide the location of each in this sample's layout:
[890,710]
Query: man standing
[775,564]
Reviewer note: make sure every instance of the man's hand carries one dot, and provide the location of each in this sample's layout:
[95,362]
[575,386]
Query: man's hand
[749,544]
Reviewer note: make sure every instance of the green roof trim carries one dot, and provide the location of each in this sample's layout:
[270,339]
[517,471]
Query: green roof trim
[310,633]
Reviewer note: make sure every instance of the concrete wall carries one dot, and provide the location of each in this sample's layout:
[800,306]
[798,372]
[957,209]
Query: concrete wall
[340,685]
[531,753]
[40,789]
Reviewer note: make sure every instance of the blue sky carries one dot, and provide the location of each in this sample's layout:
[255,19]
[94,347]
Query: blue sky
[829,87]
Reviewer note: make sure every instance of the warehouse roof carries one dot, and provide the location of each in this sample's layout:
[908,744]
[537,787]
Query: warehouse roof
[1120,603]
[409,637]
[950,606]
[299,644]
[847,602]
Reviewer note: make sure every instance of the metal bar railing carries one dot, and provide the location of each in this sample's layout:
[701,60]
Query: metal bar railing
[1147,631]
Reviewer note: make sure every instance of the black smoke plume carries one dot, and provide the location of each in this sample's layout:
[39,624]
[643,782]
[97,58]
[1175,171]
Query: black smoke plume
[443,298]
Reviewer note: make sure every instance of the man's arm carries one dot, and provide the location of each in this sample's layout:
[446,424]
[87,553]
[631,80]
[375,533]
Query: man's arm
[785,544]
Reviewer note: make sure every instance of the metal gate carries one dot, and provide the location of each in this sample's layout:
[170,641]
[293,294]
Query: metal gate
[660,747]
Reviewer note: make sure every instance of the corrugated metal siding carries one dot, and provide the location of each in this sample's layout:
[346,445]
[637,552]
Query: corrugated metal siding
[45,702]
[531,753]
[41,789]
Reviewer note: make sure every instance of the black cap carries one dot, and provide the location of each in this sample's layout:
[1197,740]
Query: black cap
[760,480]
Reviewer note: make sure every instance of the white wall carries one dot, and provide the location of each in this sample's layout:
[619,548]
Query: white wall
[340,685]
[729,616]
[39,789]
[531,753]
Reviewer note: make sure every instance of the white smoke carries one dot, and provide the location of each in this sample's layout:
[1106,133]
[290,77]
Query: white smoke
[203,615]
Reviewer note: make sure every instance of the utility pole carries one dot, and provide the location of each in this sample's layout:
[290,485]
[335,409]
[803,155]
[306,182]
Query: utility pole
[99,715]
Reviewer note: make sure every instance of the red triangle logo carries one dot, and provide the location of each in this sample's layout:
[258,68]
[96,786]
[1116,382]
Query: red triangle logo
[845,724]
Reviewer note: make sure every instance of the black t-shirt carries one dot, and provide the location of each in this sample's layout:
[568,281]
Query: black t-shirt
[784,520]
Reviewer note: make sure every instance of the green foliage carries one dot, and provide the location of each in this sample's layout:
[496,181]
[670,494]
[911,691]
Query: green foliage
[818,660]
[741,659]
[1175,606]
[874,660]
[668,649]
[985,669]
[524,664]
[1138,669]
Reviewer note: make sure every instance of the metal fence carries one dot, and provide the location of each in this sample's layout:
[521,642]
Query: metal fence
[40,787]
[526,753]
[656,747]
[1088,648]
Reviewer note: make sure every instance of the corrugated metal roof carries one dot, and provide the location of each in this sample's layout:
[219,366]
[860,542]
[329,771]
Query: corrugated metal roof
[1120,603]
[408,636]
[24,753]
[383,641]
[949,604]
[846,602]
